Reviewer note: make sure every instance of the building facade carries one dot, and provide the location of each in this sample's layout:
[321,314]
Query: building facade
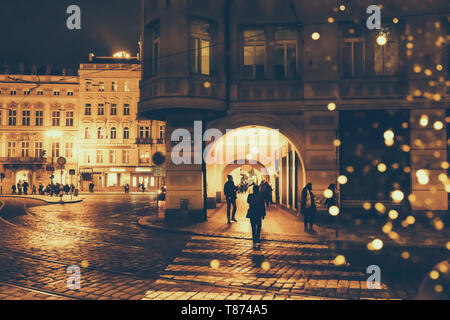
[304,67]
[89,119]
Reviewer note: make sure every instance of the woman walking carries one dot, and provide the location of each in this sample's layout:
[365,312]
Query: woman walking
[256,213]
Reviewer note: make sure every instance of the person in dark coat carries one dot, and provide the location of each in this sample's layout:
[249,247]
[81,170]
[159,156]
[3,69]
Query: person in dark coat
[333,200]
[13,189]
[308,207]
[229,190]
[256,213]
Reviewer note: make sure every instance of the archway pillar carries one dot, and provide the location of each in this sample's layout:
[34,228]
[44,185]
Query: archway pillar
[183,181]
[320,156]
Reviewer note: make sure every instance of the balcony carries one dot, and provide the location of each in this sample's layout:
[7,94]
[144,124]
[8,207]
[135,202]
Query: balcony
[22,160]
[376,87]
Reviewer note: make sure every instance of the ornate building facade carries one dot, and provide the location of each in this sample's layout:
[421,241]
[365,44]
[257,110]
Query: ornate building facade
[89,119]
[306,68]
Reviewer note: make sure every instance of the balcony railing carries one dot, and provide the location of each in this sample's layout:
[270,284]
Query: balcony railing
[22,160]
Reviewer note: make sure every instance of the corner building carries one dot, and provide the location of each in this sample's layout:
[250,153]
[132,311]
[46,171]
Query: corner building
[278,65]
[89,119]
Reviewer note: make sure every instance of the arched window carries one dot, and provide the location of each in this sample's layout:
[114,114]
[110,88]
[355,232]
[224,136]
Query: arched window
[100,133]
[113,133]
[126,133]
[87,133]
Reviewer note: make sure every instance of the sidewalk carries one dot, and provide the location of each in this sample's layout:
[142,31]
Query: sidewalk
[281,225]
[47,199]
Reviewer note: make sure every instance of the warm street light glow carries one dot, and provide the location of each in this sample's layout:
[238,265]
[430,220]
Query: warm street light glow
[422,176]
[423,120]
[382,39]
[315,36]
[342,179]
[389,135]
[382,167]
[393,214]
[334,211]
[331,106]
[328,194]
[122,55]
[438,125]
[397,196]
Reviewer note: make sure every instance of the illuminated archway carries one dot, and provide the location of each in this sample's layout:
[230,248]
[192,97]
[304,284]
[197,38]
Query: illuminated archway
[244,146]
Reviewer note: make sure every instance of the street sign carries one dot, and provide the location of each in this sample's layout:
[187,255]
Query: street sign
[72,172]
[158,158]
[61,161]
[158,172]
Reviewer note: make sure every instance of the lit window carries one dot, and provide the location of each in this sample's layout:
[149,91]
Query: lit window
[200,47]
[285,53]
[101,86]
[254,54]
[126,88]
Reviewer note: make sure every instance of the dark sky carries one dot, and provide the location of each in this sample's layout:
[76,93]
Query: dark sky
[35,32]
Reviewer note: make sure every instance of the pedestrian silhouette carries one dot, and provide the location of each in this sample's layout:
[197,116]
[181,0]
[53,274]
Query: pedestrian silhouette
[256,213]
[308,208]
[229,190]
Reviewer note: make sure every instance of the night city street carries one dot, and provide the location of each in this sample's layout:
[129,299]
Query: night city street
[224,159]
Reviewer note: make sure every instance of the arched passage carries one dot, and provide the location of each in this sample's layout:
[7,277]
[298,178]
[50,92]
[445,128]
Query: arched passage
[244,146]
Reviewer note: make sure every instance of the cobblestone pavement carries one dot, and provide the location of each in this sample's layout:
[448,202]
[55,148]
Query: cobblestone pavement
[220,268]
[118,259]
[121,260]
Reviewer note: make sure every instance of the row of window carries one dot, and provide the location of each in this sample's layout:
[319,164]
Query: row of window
[144,133]
[113,85]
[101,109]
[25,150]
[100,156]
[273,51]
[39,92]
[26,119]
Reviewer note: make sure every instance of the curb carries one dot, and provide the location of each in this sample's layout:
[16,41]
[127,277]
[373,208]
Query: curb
[39,199]
[205,234]
[2,204]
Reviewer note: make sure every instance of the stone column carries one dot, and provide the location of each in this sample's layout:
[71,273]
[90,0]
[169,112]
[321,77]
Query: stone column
[320,158]
[183,181]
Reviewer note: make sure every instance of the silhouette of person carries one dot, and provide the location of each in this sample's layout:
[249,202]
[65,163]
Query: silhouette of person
[256,213]
[229,190]
[308,207]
